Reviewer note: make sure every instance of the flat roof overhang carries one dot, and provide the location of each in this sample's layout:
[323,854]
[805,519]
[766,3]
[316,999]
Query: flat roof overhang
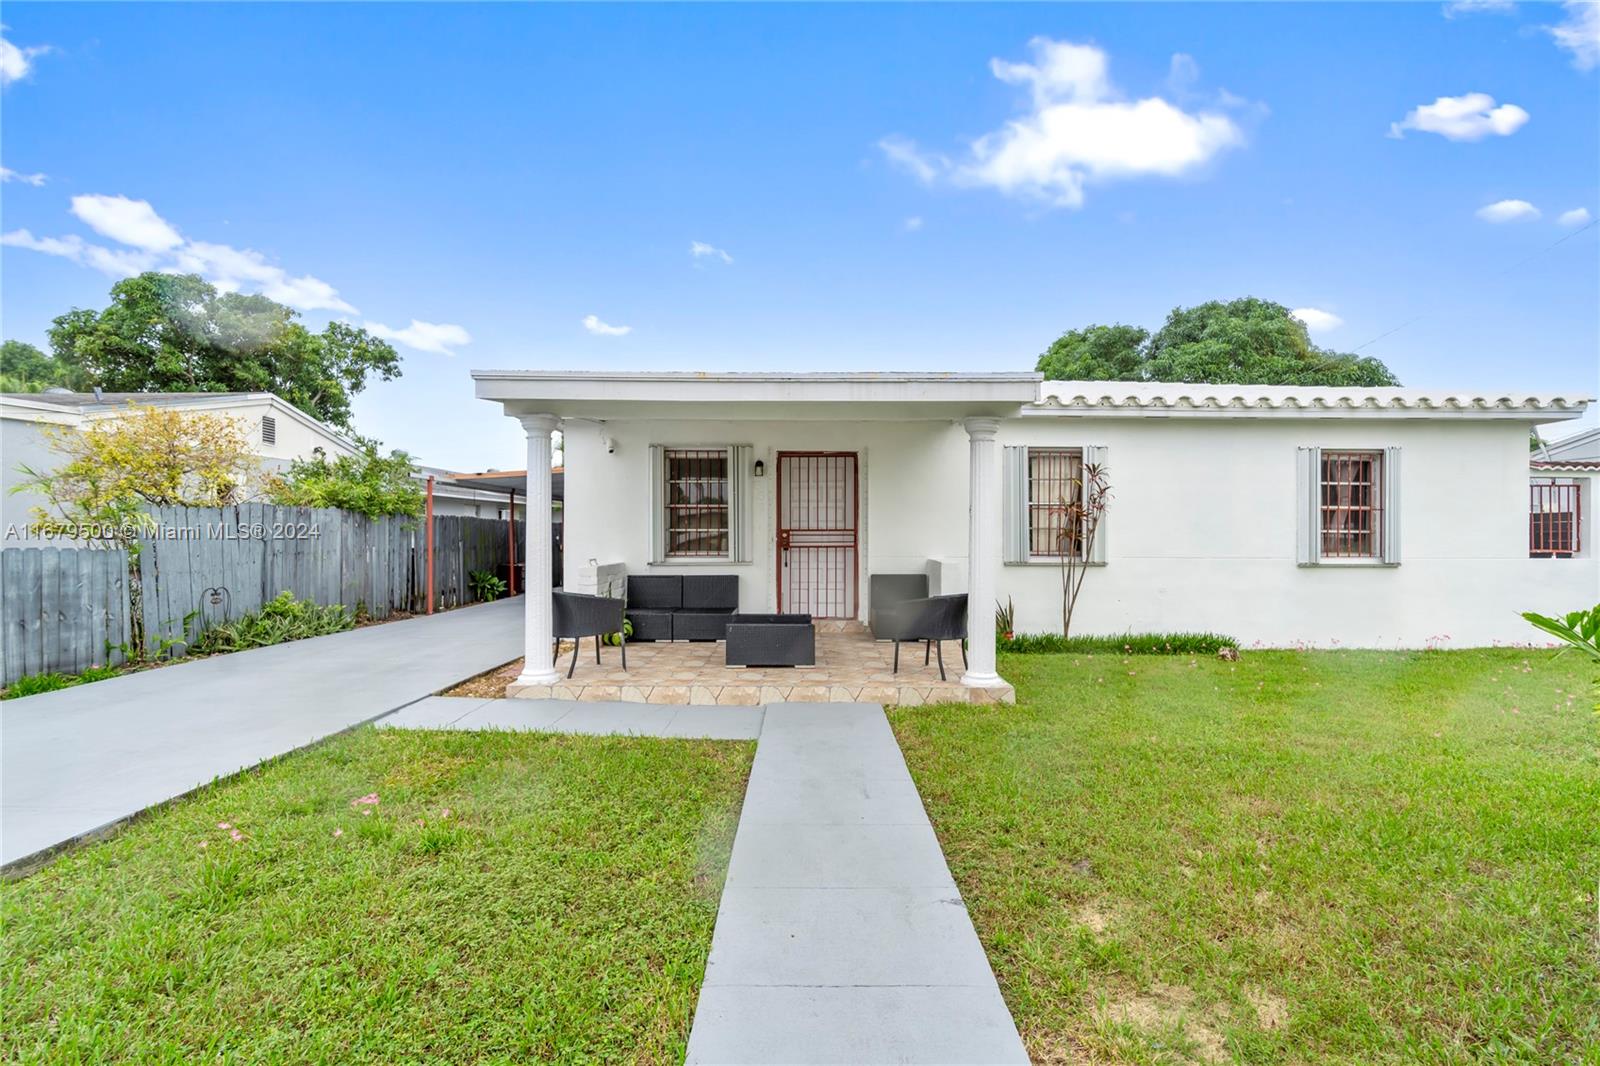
[619,395]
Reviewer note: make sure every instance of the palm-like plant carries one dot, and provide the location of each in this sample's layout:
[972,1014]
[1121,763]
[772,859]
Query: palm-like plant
[1580,629]
[1078,514]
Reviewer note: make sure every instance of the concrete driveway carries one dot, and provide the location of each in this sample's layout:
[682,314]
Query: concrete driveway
[77,761]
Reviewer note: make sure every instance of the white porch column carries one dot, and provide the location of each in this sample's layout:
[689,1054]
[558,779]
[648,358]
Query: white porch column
[538,667]
[983,550]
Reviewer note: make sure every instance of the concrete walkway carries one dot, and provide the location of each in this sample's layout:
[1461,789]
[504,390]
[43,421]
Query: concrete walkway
[587,719]
[841,937]
[80,760]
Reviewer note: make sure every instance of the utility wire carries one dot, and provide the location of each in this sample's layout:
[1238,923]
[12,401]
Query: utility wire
[1525,259]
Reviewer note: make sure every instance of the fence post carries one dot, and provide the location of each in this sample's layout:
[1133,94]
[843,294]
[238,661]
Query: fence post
[430,543]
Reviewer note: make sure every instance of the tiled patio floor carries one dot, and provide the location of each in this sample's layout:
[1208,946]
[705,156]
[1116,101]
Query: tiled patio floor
[851,668]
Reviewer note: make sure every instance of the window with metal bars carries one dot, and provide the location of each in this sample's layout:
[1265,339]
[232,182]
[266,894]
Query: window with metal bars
[1351,505]
[1055,482]
[696,495]
[1555,518]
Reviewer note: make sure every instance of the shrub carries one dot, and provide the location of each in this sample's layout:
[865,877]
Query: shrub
[36,683]
[370,483]
[486,586]
[1126,644]
[280,619]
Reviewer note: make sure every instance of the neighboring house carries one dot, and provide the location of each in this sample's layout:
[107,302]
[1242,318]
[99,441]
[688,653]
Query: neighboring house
[1563,477]
[1278,515]
[1580,447]
[487,494]
[278,432]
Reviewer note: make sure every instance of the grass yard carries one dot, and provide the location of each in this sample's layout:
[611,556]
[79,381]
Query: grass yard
[392,897]
[1300,857]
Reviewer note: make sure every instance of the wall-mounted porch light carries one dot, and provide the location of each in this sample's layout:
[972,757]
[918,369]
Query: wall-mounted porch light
[761,468]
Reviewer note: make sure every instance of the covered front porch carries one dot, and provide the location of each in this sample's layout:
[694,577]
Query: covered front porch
[851,668]
[800,488]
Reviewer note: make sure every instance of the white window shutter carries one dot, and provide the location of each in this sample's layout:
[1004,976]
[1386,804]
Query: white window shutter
[1014,504]
[1095,454]
[1391,506]
[658,504]
[740,458]
[1308,515]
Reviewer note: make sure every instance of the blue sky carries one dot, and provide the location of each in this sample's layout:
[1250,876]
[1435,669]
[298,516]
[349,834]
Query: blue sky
[885,187]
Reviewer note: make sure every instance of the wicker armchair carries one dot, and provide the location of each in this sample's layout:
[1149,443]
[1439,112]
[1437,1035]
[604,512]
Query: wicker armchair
[577,616]
[931,620]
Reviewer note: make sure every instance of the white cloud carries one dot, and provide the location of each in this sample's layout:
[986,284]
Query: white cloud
[7,174]
[1316,319]
[905,155]
[1578,216]
[438,337]
[1078,130]
[126,221]
[17,63]
[1579,33]
[593,324]
[700,250]
[155,244]
[1508,211]
[912,224]
[1471,117]
[1478,7]
[115,262]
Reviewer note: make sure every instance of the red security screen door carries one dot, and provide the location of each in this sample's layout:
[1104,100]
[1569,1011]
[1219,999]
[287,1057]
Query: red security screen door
[818,533]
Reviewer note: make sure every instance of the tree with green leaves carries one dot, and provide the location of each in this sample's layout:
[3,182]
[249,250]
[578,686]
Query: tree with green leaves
[177,333]
[368,483]
[1240,342]
[24,368]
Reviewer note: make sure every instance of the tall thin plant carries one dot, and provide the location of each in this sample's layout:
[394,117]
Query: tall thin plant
[1080,511]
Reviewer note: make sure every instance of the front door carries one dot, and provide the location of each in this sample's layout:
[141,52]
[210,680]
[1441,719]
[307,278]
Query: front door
[818,533]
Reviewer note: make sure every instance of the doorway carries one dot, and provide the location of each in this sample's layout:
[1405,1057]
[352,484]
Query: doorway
[818,533]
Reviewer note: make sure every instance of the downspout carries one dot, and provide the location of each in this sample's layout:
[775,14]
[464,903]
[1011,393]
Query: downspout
[429,520]
[511,543]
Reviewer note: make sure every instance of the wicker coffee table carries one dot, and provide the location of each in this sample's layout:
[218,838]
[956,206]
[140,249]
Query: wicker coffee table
[771,640]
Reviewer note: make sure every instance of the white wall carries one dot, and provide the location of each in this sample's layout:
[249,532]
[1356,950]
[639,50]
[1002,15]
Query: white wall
[22,443]
[1202,536]
[913,494]
[1201,531]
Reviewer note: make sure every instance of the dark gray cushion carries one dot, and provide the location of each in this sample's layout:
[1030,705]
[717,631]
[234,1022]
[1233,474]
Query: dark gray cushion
[690,624]
[719,591]
[650,625]
[885,591]
[658,592]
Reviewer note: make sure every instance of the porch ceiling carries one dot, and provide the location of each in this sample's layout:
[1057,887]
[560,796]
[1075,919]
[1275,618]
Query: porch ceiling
[620,395]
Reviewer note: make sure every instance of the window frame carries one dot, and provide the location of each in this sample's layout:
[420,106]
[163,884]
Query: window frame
[671,510]
[1574,487]
[1376,486]
[1072,454]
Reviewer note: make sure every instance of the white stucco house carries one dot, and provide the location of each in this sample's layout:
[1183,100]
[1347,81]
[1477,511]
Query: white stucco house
[278,432]
[1277,515]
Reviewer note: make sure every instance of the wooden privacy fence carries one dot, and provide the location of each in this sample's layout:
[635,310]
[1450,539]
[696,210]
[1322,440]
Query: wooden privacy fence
[201,566]
[63,610]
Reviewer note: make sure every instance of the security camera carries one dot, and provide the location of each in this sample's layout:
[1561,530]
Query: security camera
[610,443]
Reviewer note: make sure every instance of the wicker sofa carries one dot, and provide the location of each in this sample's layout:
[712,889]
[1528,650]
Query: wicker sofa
[681,606]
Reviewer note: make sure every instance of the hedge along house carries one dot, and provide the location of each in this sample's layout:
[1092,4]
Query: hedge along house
[1277,515]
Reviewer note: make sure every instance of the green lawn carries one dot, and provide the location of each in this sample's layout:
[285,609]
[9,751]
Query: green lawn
[509,897]
[1337,856]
